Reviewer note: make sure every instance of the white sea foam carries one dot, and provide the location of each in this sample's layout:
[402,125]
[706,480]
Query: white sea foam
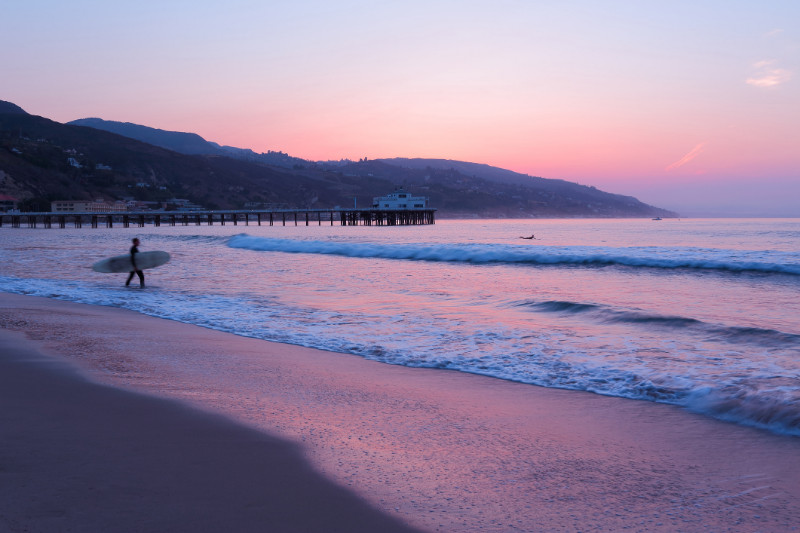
[713,329]
[647,257]
[502,353]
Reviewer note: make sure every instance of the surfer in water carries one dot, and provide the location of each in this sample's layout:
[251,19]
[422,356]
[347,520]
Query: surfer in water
[531,237]
[134,251]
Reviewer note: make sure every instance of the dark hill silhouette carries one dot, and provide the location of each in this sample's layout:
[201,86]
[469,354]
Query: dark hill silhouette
[496,192]
[184,143]
[187,143]
[42,160]
[469,169]
[11,109]
[39,158]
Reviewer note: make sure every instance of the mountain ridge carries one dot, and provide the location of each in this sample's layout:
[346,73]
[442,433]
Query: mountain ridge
[475,169]
[11,109]
[184,143]
[38,159]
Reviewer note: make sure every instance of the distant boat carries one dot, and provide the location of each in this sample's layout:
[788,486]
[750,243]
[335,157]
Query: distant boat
[657,218]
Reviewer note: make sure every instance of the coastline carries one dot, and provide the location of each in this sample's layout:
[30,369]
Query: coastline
[80,456]
[436,449]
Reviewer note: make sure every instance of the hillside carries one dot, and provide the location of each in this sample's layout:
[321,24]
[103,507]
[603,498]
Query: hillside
[187,143]
[11,109]
[469,169]
[184,143]
[503,194]
[42,160]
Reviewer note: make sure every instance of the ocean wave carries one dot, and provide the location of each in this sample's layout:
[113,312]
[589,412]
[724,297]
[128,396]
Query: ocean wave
[778,411]
[206,239]
[772,403]
[555,306]
[732,261]
[764,337]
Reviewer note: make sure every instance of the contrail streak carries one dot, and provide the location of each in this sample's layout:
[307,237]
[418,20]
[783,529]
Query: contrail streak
[688,157]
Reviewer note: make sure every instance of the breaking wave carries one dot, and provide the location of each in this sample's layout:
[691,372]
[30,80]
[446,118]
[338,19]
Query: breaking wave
[767,399]
[702,259]
[734,334]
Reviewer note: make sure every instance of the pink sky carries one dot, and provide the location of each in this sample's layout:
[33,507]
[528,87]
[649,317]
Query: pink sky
[686,105]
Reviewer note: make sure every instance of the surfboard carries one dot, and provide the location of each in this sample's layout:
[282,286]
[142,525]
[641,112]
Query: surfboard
[122,263]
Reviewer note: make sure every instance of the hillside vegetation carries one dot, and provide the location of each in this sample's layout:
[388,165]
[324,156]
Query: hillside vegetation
[42,160]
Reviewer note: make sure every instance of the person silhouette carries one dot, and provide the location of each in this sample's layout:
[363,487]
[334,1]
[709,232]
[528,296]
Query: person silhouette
[136,270]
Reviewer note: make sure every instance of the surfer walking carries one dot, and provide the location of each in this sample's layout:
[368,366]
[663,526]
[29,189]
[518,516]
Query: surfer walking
[136,270]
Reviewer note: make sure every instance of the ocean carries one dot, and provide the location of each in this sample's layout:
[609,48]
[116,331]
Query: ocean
[703,314]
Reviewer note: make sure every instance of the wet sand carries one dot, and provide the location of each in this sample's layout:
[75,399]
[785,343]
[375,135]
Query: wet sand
[78,456]
[272,437]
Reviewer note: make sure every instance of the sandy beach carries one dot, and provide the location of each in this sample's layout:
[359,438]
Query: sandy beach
[114,421]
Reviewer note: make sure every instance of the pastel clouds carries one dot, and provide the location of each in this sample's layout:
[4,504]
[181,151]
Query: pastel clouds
[768,75]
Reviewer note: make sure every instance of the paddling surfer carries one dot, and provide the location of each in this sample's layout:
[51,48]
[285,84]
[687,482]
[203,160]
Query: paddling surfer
[533,236]
[134,251]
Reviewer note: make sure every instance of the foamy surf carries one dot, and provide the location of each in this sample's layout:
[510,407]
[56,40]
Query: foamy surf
[713,328]
[641,257]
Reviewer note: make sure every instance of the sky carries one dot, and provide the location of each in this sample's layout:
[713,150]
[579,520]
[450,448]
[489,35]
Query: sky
[688,105]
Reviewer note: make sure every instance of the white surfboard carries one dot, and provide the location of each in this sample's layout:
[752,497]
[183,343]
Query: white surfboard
[122,263]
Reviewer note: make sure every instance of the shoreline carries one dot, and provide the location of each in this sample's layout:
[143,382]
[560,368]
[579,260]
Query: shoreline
[81,456]
[436,449]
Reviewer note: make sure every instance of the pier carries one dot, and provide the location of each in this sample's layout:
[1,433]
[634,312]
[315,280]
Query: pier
[126,219]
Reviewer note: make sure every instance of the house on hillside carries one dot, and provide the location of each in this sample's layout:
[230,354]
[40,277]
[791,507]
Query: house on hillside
[182,204]
[7,203]
[399,199]
[98,206]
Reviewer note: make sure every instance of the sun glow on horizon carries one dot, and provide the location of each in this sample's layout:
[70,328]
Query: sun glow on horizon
[648,97]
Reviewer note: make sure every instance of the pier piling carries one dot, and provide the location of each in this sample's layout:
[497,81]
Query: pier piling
[345,217]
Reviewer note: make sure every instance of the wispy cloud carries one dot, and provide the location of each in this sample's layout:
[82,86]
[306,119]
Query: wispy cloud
[773,33]
[768,74]
[694,152]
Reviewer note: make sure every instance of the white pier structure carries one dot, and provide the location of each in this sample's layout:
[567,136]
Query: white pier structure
[399,199]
